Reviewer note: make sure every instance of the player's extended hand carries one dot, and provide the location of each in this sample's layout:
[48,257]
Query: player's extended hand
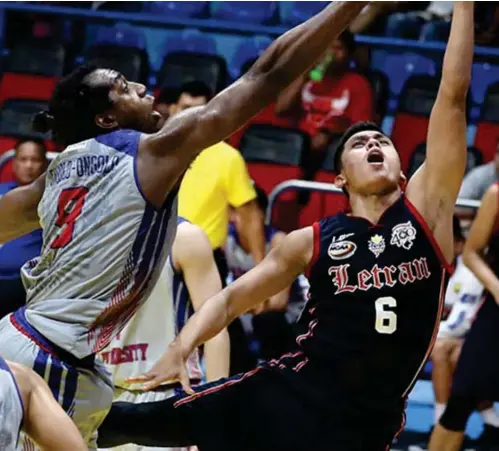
[170,368]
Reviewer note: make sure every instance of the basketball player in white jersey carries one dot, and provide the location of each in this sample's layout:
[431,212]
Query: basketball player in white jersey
[26,402]
[189,277]
[107,207]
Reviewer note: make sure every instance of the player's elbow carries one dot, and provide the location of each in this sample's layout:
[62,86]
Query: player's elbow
[454,89]
[468,256]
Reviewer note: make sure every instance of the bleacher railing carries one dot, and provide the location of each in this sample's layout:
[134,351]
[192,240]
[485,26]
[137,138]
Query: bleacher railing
[302,185]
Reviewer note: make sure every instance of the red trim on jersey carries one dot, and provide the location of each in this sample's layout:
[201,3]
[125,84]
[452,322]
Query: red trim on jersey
[448,267]
[215,389]
[317,247]
[21,329]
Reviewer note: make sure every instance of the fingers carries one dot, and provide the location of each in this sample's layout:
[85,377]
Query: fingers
[186,383]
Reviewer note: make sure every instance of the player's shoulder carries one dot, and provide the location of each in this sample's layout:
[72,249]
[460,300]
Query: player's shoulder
[24,377]
[190,235]
[123,140]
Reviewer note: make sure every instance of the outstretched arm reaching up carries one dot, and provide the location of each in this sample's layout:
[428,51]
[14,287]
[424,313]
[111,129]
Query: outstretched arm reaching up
[164,156]
[435,186]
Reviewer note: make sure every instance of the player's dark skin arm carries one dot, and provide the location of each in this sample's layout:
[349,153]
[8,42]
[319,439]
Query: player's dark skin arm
[435,186]
[18,210]
[164,156]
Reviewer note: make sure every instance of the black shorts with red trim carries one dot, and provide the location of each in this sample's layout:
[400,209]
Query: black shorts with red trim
[477,371]
[273,407]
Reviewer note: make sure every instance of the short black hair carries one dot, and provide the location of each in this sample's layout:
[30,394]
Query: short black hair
[39,143]
[195,88]
[75,102]
[352,130]
[261,198]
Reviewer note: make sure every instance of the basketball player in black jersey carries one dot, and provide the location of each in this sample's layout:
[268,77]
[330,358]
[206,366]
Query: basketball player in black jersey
[377,280]
[477,372]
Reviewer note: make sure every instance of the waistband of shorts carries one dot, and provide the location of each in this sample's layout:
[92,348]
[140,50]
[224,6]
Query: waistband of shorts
[20,322]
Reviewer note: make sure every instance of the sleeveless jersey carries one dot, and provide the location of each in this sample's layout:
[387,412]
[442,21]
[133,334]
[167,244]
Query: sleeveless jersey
[103,244]
[240,262]
[11,409]
[155,325]
[376,298]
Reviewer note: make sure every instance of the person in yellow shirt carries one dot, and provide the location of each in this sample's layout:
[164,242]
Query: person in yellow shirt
[217,180]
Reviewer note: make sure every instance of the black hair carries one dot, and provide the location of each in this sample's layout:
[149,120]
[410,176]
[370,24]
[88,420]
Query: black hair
[39,143]
[348,40]
[261,198]
[168,95]
[352,130]
[75,102]
[195,88]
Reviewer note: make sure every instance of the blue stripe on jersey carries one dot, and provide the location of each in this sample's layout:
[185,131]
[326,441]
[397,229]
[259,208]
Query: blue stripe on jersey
[183,308]
[40,364]
[69,394]
[55,377]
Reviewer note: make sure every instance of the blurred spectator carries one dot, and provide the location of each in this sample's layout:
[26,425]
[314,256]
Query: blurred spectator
[270,325]
[331,97]
[487,23]
[225,183]
[432,24]
[29,163]
[165,100]
[479,179]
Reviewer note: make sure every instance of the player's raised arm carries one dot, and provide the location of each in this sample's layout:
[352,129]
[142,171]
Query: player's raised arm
[276,272]
[182,137]
[18,210]
[435,186]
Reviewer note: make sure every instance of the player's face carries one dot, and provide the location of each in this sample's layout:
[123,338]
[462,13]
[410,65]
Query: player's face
[370,165]
[132,106]
[29,163]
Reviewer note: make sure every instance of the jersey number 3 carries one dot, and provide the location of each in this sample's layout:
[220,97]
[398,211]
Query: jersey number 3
[71,201]
[386,320]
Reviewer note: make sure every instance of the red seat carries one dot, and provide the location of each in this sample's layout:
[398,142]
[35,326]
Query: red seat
[409,131]
[487,137]
[26,86]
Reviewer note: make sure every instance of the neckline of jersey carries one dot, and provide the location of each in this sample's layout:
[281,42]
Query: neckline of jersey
[381,218]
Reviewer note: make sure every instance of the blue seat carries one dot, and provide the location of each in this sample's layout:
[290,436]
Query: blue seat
[293,13]
[191,40]
[483,75]
[121,34]
[400,66]
[249,12]
[248,50]
[176,9]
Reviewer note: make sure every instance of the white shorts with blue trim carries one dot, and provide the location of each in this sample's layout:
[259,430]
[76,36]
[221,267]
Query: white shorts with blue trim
[82,387]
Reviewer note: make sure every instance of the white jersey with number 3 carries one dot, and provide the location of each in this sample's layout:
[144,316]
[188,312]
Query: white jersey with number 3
[103,244]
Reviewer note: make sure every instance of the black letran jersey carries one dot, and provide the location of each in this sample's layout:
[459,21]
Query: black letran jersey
[376,297]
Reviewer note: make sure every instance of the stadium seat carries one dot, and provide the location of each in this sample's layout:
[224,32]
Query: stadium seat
[182,67]
[122,34]
[411,121]
[132,62]
[248,51]
[126,6]
[483,75]
[16,117]
[41,57]
[293,13]
[176,9]
[400,66]
[487,132]
[380,84]
[190,40]
[273,155]
[26,86]
[247,12]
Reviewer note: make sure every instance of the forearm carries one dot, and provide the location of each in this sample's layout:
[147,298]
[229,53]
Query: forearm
[15,223]
[217,356]
[298,49]
[252,229]
[458,59]
[482,271]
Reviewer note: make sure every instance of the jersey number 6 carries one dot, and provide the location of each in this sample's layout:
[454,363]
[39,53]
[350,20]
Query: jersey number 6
[69,207]
[386,320]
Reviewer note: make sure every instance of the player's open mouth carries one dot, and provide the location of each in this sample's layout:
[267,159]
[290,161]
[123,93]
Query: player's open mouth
[375,156]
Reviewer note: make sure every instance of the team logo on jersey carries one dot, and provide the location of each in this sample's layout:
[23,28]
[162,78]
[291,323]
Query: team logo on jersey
[342,237]
[377,245]
[403,235]
[341,250]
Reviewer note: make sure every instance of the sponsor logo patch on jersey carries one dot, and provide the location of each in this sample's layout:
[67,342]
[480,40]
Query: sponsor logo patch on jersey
[403,235]
[377,245]
[341,250]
